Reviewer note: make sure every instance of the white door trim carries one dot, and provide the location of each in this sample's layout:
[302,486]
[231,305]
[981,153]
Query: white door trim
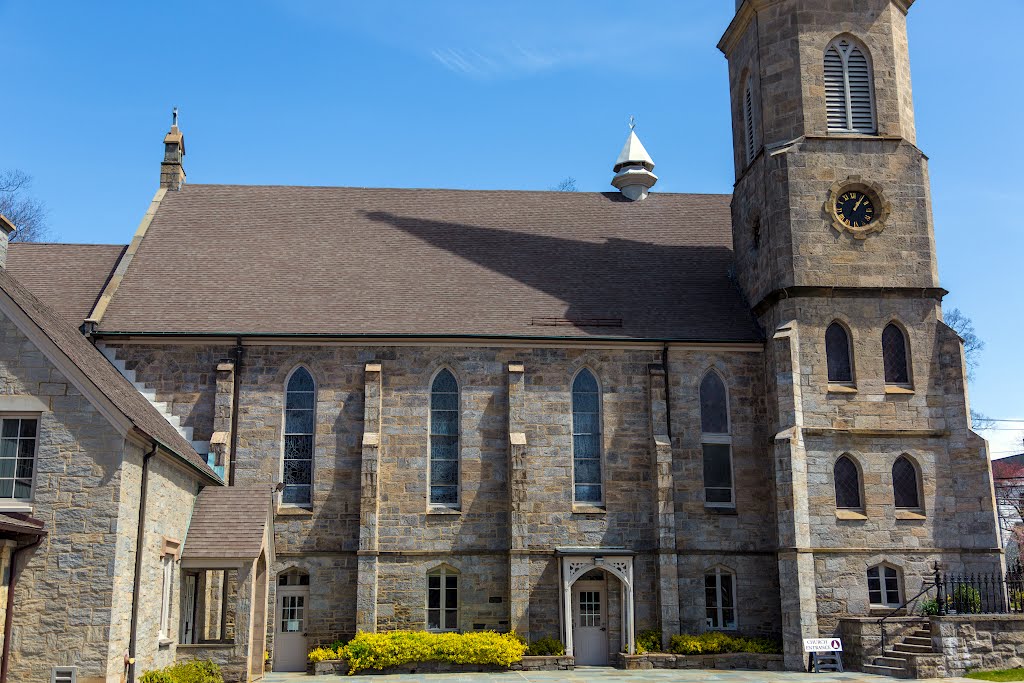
[575,564]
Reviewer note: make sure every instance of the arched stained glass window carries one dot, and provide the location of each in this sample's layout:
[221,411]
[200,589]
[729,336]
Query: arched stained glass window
[586,439]
[716,442]
[444,440]
[849,96]
[895,357]
[299,428]
[904,483]
[847,482]
[837,352]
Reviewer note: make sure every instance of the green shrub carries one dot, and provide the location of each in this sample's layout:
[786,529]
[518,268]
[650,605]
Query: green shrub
[383,650]
[648,640]
[196,671]
[716,642]
[546,647]
[929,608]
[965,600]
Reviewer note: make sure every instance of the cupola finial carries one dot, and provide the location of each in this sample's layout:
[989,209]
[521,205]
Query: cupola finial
[172,173]
[634,168]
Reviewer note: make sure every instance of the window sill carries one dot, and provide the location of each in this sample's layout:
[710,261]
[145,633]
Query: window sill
[842,389]
[442,510]
[896,389]
[164,642]
[584,509]
[910,514]
[294,510]
[16,506]
[850,514]
[719,509]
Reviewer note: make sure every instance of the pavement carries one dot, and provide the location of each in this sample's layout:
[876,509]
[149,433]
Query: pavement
[599,675]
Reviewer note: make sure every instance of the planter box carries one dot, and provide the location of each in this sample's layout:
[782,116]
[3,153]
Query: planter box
[734,660]
[328,667]
[559,663]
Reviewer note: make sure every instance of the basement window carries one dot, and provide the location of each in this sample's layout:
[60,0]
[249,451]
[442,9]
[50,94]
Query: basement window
[64,674]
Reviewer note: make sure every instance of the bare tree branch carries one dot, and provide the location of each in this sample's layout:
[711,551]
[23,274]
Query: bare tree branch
[568,184]
[27,213]
[973,345]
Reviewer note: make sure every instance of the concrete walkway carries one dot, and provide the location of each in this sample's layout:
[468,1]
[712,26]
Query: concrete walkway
[598,675]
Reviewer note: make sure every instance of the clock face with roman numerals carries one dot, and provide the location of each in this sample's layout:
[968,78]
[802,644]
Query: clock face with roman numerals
[855,209]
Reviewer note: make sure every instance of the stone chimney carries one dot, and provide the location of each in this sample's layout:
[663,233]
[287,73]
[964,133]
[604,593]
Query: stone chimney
[172,174]
[6,228]
[633,169]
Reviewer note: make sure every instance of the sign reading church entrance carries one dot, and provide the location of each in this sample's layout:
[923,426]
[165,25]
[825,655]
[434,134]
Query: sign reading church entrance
[597,603]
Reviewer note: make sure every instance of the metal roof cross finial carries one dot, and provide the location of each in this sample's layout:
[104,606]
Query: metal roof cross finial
[632,122]
[174,116]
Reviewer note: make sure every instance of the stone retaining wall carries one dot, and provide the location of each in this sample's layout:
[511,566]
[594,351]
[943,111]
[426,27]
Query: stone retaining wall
[979,641]
[734,660]
[340,667]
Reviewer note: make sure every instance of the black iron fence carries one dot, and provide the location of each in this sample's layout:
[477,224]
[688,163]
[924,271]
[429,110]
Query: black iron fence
[981,593]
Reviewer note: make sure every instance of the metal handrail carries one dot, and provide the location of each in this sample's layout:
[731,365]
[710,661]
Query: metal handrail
[937,584]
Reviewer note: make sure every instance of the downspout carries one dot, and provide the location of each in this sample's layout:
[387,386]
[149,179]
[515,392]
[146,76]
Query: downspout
[137,584]
[236,380]
[668,394]
[9,617]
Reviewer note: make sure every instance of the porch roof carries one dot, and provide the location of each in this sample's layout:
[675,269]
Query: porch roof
[231,523]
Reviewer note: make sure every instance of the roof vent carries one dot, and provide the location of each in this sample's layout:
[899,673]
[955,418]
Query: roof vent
[633,169]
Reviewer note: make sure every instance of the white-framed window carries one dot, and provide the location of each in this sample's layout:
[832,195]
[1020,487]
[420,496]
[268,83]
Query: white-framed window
[749,135]
[19,441]
[849,90]
[444,440]
[720,599]
[442,599]
[716,442]
[586,439]
[884,586]
[167,571]
[298,442]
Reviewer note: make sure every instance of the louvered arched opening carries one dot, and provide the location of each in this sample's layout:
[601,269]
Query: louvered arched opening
[905,486]
[748,120]
[895,356]
[849,91]
[846,477]
[837,354]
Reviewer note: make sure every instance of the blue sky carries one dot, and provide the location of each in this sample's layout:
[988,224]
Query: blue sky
[483,95]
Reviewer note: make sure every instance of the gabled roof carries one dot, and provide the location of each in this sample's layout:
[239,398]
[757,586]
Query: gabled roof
[103,376]
[1010,467]
[66,277]
[232,522]
[228,259]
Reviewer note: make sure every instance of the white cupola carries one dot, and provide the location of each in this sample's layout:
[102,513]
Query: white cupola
[633,169]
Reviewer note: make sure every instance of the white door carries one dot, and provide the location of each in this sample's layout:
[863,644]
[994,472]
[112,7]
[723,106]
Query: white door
[290,634]
[589,623]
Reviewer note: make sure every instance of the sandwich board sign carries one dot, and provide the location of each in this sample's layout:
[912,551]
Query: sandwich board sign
[823,645]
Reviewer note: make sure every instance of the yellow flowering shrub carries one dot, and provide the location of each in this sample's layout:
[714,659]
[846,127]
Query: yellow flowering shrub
[322,654]
[716,642]
[392,648]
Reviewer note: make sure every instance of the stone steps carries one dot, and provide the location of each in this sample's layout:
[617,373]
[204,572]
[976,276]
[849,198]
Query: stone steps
[891,671]
[893,661]
[202,447]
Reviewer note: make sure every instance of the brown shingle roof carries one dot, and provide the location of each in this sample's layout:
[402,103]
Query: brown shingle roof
[66,277]
[98,370]
[356,261]
[229,522]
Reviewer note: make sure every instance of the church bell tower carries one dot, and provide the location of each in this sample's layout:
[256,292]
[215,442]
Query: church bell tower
[834,249]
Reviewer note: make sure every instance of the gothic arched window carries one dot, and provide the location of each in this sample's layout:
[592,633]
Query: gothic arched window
[837,354]
[444,440]
[904,483]
[847,482]
[849,96]
[895,358]
[299,428]
[586,439]
[716,441]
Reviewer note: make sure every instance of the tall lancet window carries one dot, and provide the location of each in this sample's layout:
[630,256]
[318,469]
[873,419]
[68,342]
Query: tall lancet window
[444,440]
[849,91]
[299,428]
[837,354]
[586,439]
[748,120]
[895,359]
[716,442]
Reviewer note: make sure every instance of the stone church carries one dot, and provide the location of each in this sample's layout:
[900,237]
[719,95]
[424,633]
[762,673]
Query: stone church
[576,415]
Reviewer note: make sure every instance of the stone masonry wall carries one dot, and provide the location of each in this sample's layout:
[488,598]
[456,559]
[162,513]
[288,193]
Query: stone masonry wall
[77,483]
[413,537]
